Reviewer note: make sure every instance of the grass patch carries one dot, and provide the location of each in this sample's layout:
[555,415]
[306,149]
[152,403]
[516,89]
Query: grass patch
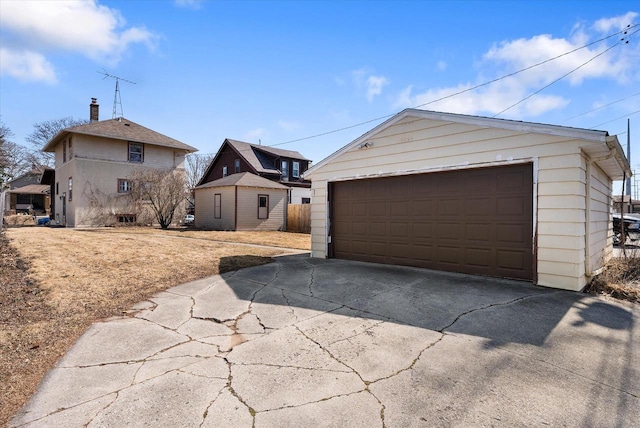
[620,279]
[55,282]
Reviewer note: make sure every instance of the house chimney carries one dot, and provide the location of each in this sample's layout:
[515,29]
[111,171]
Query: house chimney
[94,108]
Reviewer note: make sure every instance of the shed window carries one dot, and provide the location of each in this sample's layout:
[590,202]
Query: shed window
[263,206]
[217,205]
[136,152]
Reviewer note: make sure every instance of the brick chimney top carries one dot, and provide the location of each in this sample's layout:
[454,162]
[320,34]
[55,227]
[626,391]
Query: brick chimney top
[94,110]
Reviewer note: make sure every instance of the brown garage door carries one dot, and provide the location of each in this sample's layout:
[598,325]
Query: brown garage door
[476,221]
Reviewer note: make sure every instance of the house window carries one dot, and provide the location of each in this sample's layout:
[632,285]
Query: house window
[263,206]
[224,171]
[136,152]
[296,169]
[124,186]
[70,189]
[306,200]
[217,205]
[237,166]
[64,151]
[284,168]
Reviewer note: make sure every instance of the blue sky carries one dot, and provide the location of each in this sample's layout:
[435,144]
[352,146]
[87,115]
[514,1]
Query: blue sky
[281,71]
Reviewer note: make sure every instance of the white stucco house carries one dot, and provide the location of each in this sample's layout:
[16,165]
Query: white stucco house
[93,162]
[471,194]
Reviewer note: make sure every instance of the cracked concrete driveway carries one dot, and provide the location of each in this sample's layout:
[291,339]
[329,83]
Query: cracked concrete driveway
[311,342]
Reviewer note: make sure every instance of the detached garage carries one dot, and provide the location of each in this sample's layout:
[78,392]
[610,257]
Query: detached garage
[473,195]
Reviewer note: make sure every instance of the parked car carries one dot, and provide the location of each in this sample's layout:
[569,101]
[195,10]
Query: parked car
[187,220]
[631,227]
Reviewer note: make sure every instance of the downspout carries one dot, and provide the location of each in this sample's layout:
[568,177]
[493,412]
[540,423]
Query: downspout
[587,230]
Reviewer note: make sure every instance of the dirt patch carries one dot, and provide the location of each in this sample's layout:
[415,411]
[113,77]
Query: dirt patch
[55,282]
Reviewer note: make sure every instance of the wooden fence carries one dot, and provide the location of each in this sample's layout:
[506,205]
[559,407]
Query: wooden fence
[299,218]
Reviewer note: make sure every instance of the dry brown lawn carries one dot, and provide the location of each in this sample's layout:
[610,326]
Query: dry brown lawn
[55,282]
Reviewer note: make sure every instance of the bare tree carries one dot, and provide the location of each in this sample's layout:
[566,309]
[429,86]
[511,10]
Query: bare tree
[43,132]
[196,167]
[163,191]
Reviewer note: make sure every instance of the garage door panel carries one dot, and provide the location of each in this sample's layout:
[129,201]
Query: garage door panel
[473,221]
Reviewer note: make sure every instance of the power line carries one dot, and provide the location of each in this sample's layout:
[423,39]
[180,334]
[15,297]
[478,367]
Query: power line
[617,118]
[601,107]
[555,81]
[322,134]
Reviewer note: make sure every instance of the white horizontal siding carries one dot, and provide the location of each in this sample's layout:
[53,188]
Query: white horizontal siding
[424,145]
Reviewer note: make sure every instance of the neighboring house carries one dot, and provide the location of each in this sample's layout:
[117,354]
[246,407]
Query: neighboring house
[27,194]
[93,162]
[242,201]
[281,166]
[471,194]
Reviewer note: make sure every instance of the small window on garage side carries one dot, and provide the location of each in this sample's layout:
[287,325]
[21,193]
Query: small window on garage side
[217,205]
[263,206]
[136,152]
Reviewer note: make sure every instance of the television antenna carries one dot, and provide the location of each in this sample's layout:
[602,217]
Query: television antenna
[117,100]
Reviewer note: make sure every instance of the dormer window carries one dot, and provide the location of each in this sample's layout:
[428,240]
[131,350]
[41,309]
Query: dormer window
[136,152]
[296,169]
[284,168]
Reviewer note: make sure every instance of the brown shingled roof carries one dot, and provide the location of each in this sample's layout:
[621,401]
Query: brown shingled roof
[120,129]
[243,179]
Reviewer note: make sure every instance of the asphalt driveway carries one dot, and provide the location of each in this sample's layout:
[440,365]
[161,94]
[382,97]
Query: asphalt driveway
[308,342]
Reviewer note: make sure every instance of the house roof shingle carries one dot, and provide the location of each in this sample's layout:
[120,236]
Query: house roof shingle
[120,129]
[243,179]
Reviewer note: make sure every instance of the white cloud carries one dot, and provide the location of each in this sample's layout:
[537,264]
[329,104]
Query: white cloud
[375,85]
[510,56]
[189,4]
[83,27]
[26,66]
[441,65]
[364,79]
[617,23]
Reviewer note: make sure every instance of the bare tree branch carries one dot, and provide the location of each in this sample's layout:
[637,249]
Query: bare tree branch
[43,132]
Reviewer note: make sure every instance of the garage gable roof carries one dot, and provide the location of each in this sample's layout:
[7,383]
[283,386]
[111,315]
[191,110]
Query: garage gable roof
[243,179]
[614,167]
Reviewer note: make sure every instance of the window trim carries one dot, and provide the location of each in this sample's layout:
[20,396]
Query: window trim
[266,198]
[121,184]
[131,144]
[295,169]
[217,205]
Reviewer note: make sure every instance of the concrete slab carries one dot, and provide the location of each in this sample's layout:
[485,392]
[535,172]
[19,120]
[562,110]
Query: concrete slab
[312,342]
